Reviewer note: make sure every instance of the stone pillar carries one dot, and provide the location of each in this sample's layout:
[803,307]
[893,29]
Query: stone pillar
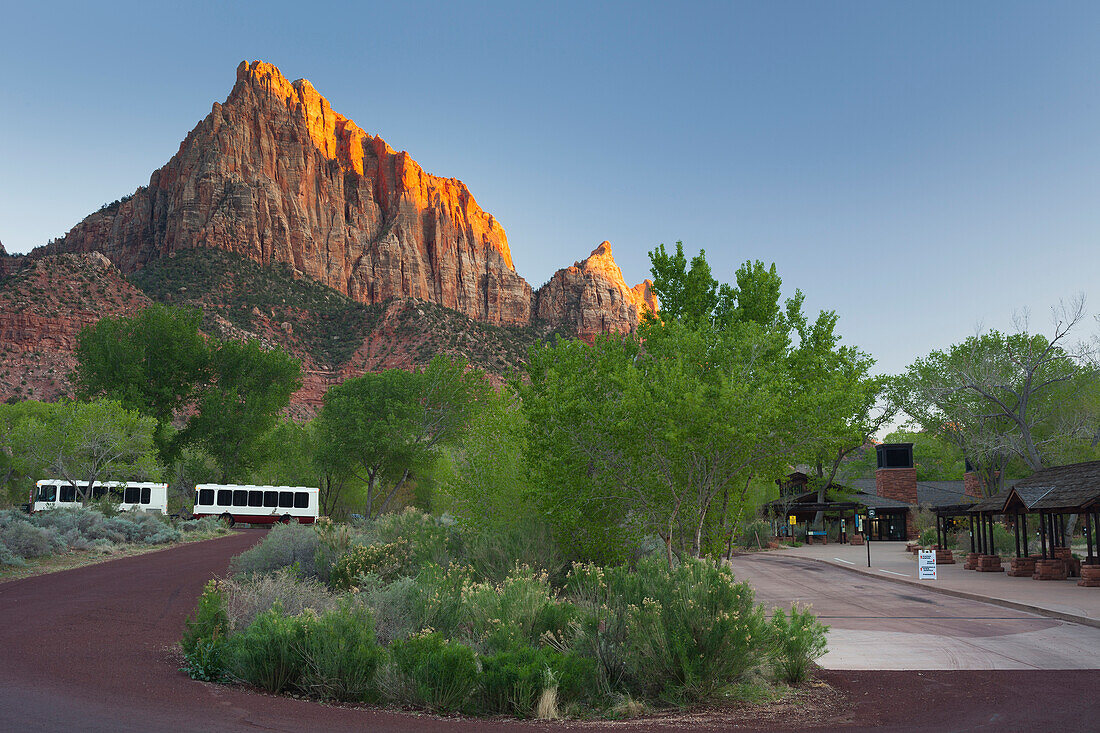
[1021,567]
[1090,576]
[944,557]
[989,564]
[972,485]
[1049,569]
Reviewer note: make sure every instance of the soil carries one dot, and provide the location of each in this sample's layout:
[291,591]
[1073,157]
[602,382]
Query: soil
[95,649]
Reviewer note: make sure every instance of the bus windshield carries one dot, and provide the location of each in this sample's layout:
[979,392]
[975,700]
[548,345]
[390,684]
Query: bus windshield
[47,493]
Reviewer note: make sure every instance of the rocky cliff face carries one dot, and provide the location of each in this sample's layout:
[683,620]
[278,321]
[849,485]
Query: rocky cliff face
[593,297]
[274,174]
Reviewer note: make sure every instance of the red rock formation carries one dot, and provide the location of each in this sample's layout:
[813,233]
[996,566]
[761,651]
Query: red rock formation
[593,296]
[274,174]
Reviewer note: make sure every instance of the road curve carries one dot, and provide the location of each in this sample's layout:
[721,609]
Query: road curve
[90,649]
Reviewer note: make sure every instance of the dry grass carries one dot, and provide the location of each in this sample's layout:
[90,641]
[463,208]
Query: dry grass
[247,597]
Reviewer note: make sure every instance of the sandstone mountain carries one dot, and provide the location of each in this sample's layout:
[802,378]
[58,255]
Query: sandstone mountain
[274,175]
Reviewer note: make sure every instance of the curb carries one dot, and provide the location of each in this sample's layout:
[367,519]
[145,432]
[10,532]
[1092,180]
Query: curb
[1015,605]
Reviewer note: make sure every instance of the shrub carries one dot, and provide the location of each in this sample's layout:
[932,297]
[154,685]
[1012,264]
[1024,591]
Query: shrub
[428,540]
[394,606]
[9,558]
[435,672]
[797,641]
[385,561]
[206,525]
[494,553]
[27,541]
[517,611]
[927,537]
[754,534]
[268,653]
[249,596]
[677,635]
[204,636]
[513,681]
[340,656]
[285,545]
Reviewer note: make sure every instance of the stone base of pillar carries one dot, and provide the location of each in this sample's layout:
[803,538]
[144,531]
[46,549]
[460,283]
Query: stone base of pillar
[857,539]
[971,561]
[1049,570]
[944,557]
[1021,567]
[1090,576]
[989,564]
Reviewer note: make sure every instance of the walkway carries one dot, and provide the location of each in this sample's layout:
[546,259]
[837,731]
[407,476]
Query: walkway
[877,624]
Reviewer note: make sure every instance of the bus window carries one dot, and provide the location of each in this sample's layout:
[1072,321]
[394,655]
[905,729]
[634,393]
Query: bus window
[240,497]
[116,494]
[206,497]
[68,492]
[301,500]
[271,498]
[98,491]
[255,498]
[146,495]
[286,499]
[47,493]
[225,497]
[132,495]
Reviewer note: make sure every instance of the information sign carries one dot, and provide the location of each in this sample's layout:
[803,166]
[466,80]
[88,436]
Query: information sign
[792,520]
[926,565]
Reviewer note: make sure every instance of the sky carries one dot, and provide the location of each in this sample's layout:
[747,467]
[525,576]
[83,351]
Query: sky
[924,169]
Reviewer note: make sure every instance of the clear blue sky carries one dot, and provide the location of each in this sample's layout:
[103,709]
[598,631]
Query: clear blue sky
[929,165]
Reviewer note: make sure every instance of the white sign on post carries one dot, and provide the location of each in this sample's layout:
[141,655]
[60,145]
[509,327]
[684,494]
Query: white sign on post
[926,565]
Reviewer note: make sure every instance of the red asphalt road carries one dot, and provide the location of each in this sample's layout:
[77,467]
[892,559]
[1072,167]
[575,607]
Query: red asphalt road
[91,649]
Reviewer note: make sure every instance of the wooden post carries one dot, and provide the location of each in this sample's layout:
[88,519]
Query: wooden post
[973,548]
[992,549]
[1043,534]
[1016,530]
[1027,538]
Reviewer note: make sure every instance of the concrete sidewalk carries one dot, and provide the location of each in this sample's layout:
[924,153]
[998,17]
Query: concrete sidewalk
[1062,599]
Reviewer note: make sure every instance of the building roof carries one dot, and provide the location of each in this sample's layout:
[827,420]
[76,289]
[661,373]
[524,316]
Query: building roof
[1061,487]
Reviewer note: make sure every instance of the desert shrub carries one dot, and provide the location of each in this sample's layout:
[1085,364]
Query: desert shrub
[1004,540]
[435,672]
[386,561]
[268,652]
[246,597]
[680,634]
[428,539]
[927,537]
[513,680]
[339,655]
[9,558]
[517,611]
[285,545]
[796,640]
[204,636]
[206,525]
[494,553]
[754,534]
[394,606]
[27,541]
[438,601]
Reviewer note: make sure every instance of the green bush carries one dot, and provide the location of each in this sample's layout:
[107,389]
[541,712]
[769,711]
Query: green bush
[927,537]
[513,680]
[754,534]
[204,636]
[268,653]
[437,673]
[796,641]
[427,539]
[340,656]
[678,635]
[386,561]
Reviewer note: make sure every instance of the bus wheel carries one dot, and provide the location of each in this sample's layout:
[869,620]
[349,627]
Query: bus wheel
[285,519]
[228,519]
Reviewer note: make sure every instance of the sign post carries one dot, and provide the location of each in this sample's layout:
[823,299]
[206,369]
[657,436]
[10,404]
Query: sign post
[926,565]
[867,534]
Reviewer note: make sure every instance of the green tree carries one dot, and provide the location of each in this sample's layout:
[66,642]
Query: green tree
[251,386]
[384,427]
[154,361]
[85,442]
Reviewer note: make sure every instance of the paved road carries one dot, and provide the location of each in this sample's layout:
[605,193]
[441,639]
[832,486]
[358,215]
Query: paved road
[877,624]
[90,649]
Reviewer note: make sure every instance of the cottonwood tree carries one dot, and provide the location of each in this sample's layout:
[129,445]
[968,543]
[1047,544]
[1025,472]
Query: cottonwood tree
[384,427]
[154,361]
[1002,395]
[86,442]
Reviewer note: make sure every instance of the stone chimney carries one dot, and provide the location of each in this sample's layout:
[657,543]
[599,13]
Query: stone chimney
[896,477]
[972,485]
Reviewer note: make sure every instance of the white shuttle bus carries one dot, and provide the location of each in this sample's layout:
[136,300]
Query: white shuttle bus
[55,493]
[257,504]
